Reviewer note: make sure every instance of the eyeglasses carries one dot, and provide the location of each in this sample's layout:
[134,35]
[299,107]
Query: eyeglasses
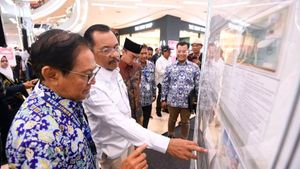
[4,61]
[108,51]
[89,76]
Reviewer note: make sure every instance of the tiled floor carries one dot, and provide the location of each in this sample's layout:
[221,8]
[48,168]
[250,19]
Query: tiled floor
[160,124]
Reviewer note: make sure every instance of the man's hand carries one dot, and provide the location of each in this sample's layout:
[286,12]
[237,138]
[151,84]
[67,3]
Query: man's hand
[153,98]
[183,149]
[163,104]
[34,81]
[28,84]
[136,160]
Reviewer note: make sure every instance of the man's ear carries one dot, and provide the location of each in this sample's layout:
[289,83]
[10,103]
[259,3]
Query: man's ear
[50,74]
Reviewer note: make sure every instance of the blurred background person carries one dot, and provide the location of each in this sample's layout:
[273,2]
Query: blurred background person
[179,80]
[108,109]
[150,53]
[160,68]
[12,97]
[148,87]
[50,130]
[130,70]
[196,55]
[52,118]
[156,55]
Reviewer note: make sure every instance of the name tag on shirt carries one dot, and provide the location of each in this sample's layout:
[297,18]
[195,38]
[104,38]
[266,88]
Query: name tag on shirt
[147,87]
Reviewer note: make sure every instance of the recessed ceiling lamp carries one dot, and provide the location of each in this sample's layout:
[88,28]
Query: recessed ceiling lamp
[268,4]
[195,3]
[29,0]
[158,5]
[231,4]
[120,0]
[113,5]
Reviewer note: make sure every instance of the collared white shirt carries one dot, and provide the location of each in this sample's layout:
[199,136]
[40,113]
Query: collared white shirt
[109,116]
[160,68]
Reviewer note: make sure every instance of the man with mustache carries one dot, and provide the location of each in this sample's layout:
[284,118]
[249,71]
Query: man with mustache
[108,110]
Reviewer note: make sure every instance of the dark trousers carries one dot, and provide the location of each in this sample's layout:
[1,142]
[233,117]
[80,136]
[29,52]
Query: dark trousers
[184,121]
[146,115]
[1,151]
[158,104]
[4,133]
[5,125]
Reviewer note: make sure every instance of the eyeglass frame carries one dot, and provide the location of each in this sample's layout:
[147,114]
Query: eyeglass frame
[110,50]
[90,76]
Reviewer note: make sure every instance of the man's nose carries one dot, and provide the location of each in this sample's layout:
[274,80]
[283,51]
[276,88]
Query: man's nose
[115,55]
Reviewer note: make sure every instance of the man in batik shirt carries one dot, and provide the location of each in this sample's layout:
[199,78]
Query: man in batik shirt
[50,129]
[179,80]
[148,87]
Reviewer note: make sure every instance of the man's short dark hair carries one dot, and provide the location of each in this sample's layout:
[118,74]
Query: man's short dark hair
[183,44]
[88,35]
[150,48]
[56,48]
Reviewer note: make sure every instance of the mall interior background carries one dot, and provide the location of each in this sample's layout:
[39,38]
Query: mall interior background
[254,86]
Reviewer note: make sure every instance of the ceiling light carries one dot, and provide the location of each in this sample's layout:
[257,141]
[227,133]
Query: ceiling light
[194,3]
[158,5]
[121,0]
[231,4]
[29,0]
[113,5]
[268,4]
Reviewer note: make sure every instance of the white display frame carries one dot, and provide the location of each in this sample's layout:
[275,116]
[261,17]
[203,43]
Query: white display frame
[282,76]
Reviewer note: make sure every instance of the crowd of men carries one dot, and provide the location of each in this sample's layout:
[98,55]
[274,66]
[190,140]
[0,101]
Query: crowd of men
[91,107]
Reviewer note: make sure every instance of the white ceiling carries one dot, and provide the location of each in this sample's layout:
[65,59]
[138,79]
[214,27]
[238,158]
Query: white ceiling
[124,13]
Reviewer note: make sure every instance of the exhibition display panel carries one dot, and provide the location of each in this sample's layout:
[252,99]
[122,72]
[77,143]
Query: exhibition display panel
[249,87]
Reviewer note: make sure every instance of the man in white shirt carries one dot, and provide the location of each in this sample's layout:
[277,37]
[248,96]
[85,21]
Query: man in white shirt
[160,68]
[108,110]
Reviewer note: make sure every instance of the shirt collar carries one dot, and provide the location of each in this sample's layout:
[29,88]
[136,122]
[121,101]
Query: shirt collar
[41,90]
[107,75]
[185,62]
